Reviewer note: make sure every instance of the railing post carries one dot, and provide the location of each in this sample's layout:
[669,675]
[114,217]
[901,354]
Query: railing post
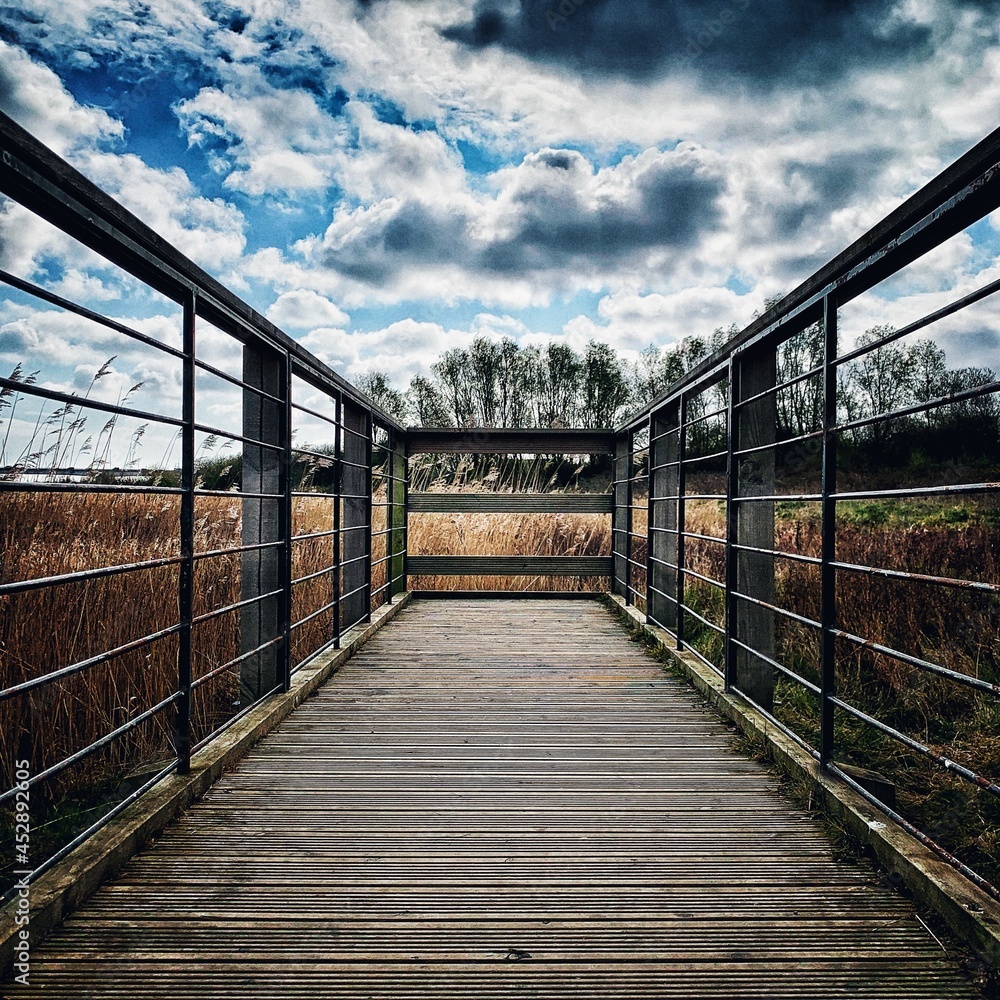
[732,524]
[264,570]
[287,502]
[338,493]
[755,477]
[185,602]
[828,578]
[682,414]
[397,514]
[355,526]
[629,518]
[370,486]
[661,584]
[620,521]
[649,514]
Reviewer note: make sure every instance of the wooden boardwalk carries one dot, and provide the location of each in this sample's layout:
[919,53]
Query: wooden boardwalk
[495,799]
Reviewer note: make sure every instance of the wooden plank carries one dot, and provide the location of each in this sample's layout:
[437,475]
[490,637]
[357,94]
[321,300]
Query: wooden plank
[495,799]
[509,565]
[501,441]
[521,503]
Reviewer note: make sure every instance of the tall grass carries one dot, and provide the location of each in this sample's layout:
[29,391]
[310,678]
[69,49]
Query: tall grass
[954,627]
[508,534]
[44,535]
[42,630]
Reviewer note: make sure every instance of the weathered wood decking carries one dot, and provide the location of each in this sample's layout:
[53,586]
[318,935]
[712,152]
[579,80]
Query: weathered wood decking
[495,799]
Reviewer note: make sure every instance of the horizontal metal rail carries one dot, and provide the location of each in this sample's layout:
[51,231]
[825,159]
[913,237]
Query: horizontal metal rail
[519,503]
[509,565]
[780,438]
[218,615]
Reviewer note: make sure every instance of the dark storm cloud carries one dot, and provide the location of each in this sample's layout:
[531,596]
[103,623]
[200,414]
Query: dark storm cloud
[819,189]
[415,235]
[670,207]
[554,218]
[761,43]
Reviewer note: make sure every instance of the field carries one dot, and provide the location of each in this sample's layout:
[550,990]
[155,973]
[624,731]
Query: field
[41,630]
[956,628]
[44,629]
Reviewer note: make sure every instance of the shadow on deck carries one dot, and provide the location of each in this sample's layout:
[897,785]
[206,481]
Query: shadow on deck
[495,799]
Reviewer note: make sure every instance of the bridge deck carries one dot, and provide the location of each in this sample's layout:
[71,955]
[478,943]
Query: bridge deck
[495,799]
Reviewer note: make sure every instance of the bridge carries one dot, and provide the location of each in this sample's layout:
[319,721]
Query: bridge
[271,750]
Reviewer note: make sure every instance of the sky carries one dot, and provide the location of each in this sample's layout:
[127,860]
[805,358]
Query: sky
[387,179]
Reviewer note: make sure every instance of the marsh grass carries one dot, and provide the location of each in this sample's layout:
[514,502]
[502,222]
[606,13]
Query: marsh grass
[508,534]
[44,535]
[48,534]
[955,627]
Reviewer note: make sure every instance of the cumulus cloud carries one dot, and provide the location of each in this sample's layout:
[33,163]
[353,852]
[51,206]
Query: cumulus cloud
[552,222]
[34,96]
[270,141]
[209,230]
[304,310]
[654,155]
[401,350]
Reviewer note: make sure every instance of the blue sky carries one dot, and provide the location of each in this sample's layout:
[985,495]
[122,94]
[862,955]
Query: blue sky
[388,179]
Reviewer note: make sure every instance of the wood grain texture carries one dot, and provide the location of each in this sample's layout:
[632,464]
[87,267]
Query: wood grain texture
[495,799]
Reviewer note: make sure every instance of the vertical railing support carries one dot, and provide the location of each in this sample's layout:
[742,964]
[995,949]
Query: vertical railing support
[265,475]
[338,494]
[661,585]
[682,416]
[620,520]
[287,502]
[182,727]
[629,517]
[355,526]
[828,579]
[754,476]
[397,514]
[649,515]
[370,481]
[732,524]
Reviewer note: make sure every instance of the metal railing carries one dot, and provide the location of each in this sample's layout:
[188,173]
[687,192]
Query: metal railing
[826,543]
[534,565]
[138,628]
[739,506]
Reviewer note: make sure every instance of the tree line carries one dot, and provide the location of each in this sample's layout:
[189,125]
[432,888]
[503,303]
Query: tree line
[494,383]
[500,384]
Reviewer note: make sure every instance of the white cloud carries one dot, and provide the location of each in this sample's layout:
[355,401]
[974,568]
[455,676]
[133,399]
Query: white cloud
[801,172]
[208,230]
[36,99]
[277,141]
[303,309]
